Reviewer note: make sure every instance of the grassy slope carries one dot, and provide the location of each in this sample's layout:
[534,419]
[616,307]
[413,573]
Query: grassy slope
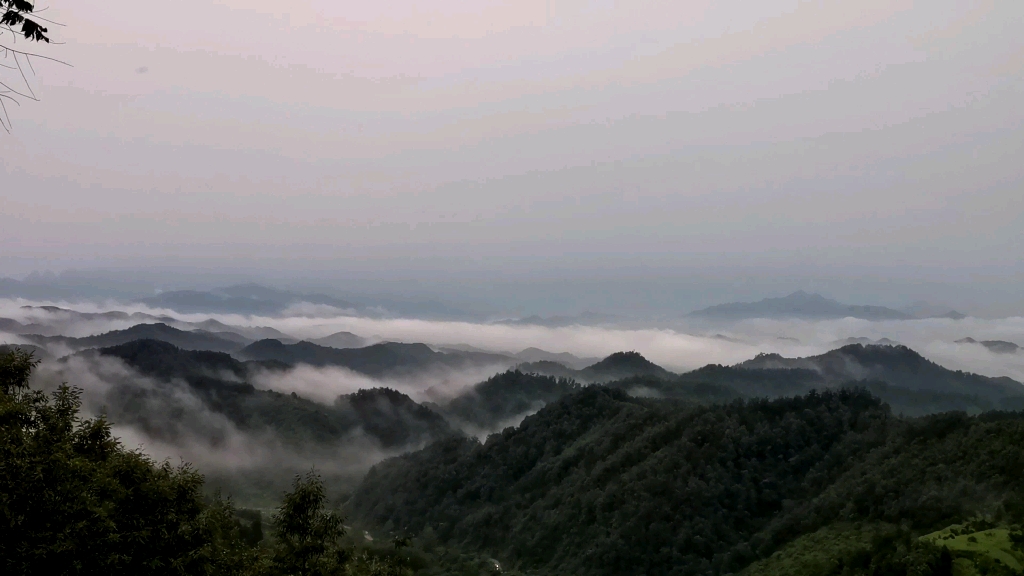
[994,543]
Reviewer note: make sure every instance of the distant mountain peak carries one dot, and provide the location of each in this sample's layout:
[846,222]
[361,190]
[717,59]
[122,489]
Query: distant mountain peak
[621,365]
[799,304]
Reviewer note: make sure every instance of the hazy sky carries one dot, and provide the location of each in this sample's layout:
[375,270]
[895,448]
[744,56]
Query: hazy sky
[864,145]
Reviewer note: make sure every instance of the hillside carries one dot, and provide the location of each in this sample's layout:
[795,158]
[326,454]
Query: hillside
[221,383]
[602,483]
[502,398]
[895,365]
[799,304]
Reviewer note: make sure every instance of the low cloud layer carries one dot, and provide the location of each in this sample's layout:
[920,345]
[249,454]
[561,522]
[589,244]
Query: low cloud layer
[168,421]
[177,425]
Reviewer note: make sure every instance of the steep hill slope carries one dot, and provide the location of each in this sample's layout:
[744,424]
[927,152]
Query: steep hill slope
[492,403]
[220,383]
[601,483]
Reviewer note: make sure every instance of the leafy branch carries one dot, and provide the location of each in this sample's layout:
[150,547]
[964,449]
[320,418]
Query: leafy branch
[20,21]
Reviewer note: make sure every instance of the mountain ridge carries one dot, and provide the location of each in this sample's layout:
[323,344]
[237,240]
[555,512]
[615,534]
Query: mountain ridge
[798,304]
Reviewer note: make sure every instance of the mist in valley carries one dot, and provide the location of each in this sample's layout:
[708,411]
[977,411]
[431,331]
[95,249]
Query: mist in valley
[169,419]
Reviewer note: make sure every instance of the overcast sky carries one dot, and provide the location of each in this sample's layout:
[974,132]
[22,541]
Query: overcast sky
[868,147]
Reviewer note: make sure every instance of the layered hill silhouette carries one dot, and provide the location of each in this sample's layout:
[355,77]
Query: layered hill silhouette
[222,384]
[384,359]
[997,346]
[54,320]
[799,304]
[566,359]
[339,340]
[900,376]
[188,340]
[895,365]
[616,366]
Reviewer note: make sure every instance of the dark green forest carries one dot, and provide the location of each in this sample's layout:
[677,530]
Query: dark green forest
[603,483]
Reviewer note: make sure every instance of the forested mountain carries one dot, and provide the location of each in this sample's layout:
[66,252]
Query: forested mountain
[895,365]
[799,304]
[188,340]
[510,395]
[905,380]
[599,482]
[221,383]
[614,367]
[622,365]
[384,359]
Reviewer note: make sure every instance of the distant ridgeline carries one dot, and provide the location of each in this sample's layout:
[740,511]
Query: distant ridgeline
[800,304]
[907,381]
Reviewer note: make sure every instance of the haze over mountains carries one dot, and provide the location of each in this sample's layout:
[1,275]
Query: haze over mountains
[801,304]
[288,388]
[400,430]
[255,299]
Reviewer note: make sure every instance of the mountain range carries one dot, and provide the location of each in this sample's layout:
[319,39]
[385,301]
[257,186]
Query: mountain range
[383,359]
[222,383]
[188,340]
[803,305]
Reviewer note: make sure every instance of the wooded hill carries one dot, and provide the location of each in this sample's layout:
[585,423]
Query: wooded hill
[599,482]
[221,383]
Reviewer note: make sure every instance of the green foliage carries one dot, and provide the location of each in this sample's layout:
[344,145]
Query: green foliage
[16,366]
[307,537]
[989,543]
[74,501]
[507,395]
[602,483]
